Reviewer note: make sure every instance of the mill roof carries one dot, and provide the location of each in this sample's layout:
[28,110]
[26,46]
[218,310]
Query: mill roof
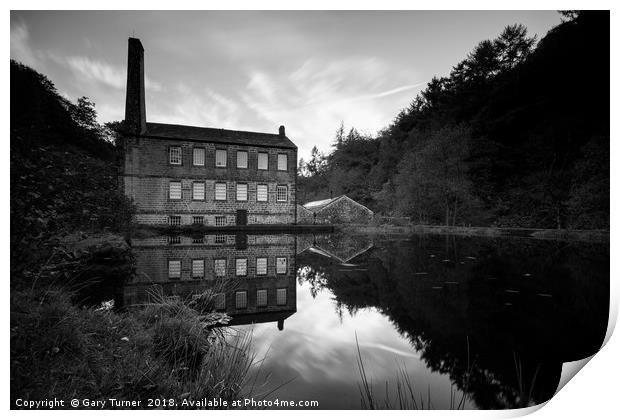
[216,135]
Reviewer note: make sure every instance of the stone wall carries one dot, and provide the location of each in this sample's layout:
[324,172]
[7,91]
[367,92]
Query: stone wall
[147,175]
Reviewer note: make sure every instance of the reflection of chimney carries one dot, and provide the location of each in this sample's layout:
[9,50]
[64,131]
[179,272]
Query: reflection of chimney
[280,324]
[135,108]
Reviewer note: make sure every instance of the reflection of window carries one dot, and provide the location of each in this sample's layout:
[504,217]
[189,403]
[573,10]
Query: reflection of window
[199,157]
[175,155]
[282,162]
[241,266]
[174,269]
[281,193]
[261,297]
[198,220]
[220,301]
[263,160]
[220,239]
[242,192]
[175,190]
[174,239]
[198,191]
[241,300]
[261,192]
[220,191]
[199,240]
[198,268]
[220,158]
[281,297]
[174,220]
[242,159]
[281,265]
[220,220]
[261,266]
[219,267]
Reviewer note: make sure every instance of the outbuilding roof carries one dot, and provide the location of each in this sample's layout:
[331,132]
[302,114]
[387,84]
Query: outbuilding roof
[216,135]
[315,206]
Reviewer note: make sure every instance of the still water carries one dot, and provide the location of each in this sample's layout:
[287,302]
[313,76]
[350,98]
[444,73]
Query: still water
[482,322]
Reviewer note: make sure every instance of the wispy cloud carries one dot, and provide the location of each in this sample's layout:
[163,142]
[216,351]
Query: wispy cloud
[20,48]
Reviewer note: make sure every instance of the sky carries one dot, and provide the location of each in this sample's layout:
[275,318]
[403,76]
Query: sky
[255,71]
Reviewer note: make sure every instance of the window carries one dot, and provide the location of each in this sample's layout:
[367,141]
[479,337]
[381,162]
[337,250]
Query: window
[174,269]
[261,266]
[220,239]
[263,160]
[198,268]
[199,156]
[282,193]
[198,191]
[198,220]
[219,267]
[261,192]
[174,240]
[241,300]
[242,159]
[220,301]
[241,266]
[281,265]
[220,220]
[174,153]
[220,191]
[175,190]
[282,162]
[174,220]
[242,192]
[261,297]
[220,158]
[281,297]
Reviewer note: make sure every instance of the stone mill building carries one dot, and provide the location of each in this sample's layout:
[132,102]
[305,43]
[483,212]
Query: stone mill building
[182,175]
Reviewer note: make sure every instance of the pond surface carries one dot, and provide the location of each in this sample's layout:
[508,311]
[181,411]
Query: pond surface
[485,321]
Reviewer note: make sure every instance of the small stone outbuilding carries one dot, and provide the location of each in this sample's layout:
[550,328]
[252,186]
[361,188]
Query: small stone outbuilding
[337,210]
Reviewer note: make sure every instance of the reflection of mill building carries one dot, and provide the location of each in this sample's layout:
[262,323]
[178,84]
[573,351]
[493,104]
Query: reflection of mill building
[257,273]
[184,175]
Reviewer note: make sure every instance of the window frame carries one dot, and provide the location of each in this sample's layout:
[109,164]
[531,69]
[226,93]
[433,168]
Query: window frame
[246,299]
[258,161]
[225,158]
[285,289]
[215,260]
[170,190]
[204,191]
[278,193]
[216,218]
[247,159]
[204,156]
[194,222]
[278,162]
[180,155]
[258,305]
[237,267]
[225,191]
[203,268]
[266,200]
[180,268]
[266,266]
[215,301]
[237,192]
[170,216]
[285,266]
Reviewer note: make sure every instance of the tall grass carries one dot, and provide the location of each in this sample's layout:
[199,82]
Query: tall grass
[168,348]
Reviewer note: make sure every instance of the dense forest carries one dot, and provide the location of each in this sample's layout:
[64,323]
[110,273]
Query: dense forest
[516,135]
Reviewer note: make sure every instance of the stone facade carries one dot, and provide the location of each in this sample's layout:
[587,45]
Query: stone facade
[157,158]
[147,175]
[154,256]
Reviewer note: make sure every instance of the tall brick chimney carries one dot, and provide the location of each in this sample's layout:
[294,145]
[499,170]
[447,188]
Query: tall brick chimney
[135,108]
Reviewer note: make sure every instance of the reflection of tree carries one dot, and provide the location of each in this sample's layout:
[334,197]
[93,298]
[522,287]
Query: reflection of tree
[444,302]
